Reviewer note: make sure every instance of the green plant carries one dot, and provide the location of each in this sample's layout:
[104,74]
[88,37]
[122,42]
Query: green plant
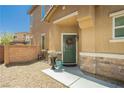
[6,38]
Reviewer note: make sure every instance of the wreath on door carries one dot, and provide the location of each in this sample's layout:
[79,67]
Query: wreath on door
[69,41]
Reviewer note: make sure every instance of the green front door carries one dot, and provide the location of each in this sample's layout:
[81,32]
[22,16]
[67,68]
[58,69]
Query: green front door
[69,49]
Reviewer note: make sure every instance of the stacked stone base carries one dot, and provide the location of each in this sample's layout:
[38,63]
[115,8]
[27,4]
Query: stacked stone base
[104,66]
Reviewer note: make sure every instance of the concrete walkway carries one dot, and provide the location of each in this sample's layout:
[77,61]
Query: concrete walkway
[72,77]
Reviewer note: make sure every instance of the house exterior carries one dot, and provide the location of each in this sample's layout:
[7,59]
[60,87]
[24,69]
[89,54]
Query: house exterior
[87,35]
[21,38]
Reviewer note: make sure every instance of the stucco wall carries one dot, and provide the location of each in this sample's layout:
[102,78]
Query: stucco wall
[53,32]
[44,28]
[95,32]
[103,30]
[15,53]
[86,36]
[97,38]
[87,39]
[55,36]
[1,54]
[36,23]
[39,28]
[92,39]
[68,10]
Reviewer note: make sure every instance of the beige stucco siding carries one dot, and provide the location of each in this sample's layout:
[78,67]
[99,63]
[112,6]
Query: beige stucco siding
[38,27]
[36,17]
[60,12]
[55,35]
[103,30]
[84,37]
[87,40]
[35,24]
[43,29]
[93,26]
[95,33]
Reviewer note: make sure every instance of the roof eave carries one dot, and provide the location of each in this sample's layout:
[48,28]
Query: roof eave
[50,12]
[32,9]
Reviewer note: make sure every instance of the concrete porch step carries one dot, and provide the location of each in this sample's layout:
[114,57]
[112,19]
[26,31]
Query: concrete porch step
[72,77]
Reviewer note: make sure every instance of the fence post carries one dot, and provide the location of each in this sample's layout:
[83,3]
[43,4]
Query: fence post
[6,54]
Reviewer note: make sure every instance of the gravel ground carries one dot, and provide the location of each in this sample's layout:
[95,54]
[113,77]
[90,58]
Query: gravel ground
[27,76]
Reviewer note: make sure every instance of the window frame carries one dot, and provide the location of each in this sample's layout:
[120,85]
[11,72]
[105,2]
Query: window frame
[114,27]
[43,35]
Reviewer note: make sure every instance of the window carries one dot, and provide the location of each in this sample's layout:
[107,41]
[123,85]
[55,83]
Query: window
[27,38]
[43,40]
[42,11]
[118,27]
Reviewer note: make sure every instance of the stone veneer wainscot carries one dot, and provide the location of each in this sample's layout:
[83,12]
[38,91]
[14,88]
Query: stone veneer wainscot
[108,65]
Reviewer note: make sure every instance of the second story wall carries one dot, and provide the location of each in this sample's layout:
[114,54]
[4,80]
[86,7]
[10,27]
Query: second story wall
[36,17]
[38,26]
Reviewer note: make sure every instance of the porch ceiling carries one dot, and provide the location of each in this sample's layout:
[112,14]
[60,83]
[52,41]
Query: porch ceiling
[69,20]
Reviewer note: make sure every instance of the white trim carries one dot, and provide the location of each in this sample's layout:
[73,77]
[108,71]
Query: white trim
[117,13]
[43,34]
[42,19]
[62,34]
[116,40]
[119,27]
[65,17]
[113,27]
[114,56]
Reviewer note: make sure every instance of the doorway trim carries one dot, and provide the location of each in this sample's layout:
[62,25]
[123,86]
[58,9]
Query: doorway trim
[62,34]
